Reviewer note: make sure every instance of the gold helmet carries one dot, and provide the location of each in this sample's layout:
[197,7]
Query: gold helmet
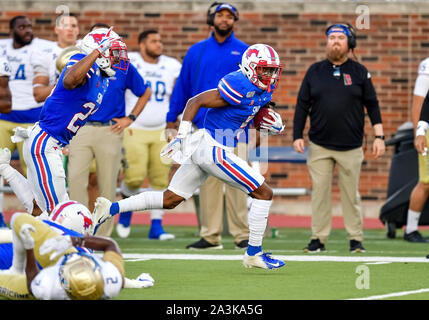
[81,277]
[64,57]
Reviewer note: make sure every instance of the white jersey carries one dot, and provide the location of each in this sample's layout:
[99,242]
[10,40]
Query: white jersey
[45,63]
[21,62]
[5,70]
[422,82]
[46,285]
[160,77]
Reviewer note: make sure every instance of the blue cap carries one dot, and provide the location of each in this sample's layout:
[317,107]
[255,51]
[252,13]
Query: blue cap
[229,7]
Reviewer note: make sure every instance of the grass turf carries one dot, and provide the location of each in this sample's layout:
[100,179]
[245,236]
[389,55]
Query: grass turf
[299,280]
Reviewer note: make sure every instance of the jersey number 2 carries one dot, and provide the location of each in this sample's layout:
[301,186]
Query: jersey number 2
[81,116]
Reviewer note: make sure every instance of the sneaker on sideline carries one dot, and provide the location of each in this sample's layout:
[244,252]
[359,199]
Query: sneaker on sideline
[203,244]
[314,246]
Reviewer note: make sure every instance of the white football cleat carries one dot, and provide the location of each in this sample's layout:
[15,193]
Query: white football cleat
[101,212]
[262,260]
[123,232]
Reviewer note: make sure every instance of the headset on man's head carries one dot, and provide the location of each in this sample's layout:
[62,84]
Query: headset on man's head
[351,39]
[211,12]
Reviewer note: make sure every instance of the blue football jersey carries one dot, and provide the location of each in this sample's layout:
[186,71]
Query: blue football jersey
[65,111]
[6,255]
[245,99]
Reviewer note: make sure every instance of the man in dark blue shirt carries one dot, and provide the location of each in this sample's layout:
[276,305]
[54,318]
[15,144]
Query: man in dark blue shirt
[205,63]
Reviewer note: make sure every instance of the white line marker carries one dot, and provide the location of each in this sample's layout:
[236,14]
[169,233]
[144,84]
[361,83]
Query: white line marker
[391,295]
[314,258]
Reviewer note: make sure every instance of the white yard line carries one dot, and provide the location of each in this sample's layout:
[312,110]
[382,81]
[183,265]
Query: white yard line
[310,257]
[130,257]
[392,295]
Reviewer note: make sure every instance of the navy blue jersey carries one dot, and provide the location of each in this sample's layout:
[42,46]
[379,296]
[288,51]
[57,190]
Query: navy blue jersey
[65,111]
[245,99]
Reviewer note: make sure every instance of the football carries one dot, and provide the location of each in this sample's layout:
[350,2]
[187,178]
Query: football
[259,117]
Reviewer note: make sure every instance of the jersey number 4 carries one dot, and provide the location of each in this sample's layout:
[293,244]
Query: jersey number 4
[20,72]
[81,116]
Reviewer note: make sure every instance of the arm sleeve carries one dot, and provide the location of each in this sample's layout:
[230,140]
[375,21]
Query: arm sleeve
[181,92]
[41,62]
[370,100]
[74,58]
[177,68]
[230,90]
[5,69]
[45,286]
[302,108]
[135,81]
[422,85]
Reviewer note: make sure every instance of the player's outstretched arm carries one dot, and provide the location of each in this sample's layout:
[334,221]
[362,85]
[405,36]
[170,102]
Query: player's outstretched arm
[207,99]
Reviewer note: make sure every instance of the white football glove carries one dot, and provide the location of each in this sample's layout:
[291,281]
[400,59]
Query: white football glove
[58,244]
[5,156]
[172,147]
[179,142]
[106,43]
[24,234]
[142,281]
[274,127]
[20,134]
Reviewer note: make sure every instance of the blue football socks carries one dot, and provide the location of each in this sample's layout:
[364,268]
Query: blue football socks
[114,208]
[251,250]
[125,218]
[156,229]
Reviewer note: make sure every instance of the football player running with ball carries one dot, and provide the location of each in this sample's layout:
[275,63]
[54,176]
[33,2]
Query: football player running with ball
[209,151]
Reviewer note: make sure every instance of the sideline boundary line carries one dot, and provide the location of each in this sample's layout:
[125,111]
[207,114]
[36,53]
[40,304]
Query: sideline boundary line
[391,295]
[309,258]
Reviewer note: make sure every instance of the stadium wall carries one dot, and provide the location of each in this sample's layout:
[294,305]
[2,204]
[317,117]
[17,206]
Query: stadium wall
[393,37]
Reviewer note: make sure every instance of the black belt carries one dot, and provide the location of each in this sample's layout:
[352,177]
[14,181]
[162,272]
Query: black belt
[100,124]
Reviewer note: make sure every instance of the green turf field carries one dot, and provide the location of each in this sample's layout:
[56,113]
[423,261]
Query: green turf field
[390,269]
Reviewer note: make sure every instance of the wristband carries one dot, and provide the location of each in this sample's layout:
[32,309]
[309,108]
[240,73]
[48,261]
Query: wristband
[422,127]
[379,137]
